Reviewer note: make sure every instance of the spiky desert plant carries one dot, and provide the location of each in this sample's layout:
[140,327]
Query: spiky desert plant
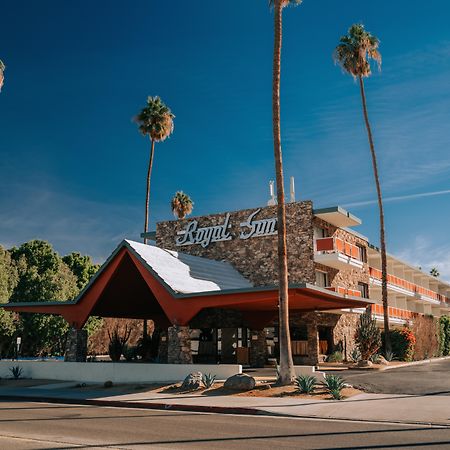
[16,372]
[305,384]
[354,54]
[334,385]
[287,372]
[368,336]
[155,121]
[181,205]
[208,380]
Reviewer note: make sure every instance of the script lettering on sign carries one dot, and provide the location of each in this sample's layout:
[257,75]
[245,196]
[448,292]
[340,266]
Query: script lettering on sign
[204,236]
[257,228]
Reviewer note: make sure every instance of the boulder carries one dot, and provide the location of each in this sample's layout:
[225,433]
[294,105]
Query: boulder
[240,382]
[364,363]
[192,382]
[382,360]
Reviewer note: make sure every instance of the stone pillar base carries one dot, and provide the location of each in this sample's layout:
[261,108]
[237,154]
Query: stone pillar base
[162,347]
[76,346]
[258,348]
[179,345]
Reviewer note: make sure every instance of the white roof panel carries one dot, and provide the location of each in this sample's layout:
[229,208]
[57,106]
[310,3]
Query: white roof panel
[189,274]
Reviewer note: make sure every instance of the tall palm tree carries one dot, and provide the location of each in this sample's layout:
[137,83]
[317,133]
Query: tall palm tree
[354,53]
[155,121]
[181,205]
[2,74]
[286,371]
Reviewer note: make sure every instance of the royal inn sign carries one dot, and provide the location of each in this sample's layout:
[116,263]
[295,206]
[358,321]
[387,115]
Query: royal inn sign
[203,236]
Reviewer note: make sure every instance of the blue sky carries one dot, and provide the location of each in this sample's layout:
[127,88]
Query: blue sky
[73,165]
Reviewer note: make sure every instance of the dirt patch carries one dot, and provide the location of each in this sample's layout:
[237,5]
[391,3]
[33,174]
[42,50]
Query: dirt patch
[261,390]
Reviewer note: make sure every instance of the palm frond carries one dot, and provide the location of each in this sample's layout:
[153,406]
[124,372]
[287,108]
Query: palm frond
[285,3]
[181,205]
[356,50]
[155,120]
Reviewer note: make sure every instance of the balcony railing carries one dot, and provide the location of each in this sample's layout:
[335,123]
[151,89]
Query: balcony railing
[412,288]
[395,313]
[345,291]
[337,253]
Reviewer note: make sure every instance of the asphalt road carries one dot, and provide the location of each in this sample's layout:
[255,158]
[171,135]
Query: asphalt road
[51,426]
[424,379]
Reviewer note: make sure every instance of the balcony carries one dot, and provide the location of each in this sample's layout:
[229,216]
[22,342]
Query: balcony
[395,314]
[344,291]
[336,253]
[405,287]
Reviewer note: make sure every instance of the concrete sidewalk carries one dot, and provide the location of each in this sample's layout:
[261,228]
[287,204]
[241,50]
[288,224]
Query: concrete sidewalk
[428,409]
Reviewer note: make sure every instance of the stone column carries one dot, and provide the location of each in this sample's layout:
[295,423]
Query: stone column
[313,342]
[258,348]
[76,346]
[162,347]
[179,345]
[228,340]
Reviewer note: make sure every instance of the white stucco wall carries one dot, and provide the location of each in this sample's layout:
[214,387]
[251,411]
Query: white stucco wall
[98,372]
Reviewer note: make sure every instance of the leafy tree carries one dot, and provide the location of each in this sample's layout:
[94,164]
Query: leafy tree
[354,53]
[43,276]
[155,121]
[434,272]
[182,205]
[81,266]
[8,275]
[2,74]
[286,371]
[8,281]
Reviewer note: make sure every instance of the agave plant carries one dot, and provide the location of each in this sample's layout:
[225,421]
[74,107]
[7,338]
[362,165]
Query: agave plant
[305,384]
[181,204]
[208,380]
[16,372]
[334,385]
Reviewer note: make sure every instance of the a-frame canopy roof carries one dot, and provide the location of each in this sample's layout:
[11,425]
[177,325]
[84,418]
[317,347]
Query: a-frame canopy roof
[143,281]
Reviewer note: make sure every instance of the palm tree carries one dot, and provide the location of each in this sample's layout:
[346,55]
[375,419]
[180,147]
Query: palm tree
[434,272]
[182,205]
[155,121]
[286,371]
[2,72]
[354,54]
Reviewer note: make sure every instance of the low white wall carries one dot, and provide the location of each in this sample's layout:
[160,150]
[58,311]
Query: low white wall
[97,372]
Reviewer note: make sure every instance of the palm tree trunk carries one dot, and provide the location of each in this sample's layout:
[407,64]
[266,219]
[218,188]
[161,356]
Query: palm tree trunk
[384,294]
[286,373]
[147,197]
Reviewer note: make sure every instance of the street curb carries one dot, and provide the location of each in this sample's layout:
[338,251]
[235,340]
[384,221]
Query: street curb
[205,409]
[416,363]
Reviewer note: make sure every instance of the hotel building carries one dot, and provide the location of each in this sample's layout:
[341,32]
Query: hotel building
[210,285]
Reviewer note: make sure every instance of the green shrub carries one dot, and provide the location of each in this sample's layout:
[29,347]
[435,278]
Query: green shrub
[208,380]
[368,336]
[402,343]
[444,335]
[334,385]
[305,384]
[335,357]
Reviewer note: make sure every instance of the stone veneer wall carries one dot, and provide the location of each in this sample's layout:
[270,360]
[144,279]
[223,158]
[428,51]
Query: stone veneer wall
[254,258]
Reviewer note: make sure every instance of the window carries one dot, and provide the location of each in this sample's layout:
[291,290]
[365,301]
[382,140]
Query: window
[364,289]
[362,253]
[321,279]
[320,233]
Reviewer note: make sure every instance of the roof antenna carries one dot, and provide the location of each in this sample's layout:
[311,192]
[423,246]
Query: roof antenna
[292,199]
[272,201]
